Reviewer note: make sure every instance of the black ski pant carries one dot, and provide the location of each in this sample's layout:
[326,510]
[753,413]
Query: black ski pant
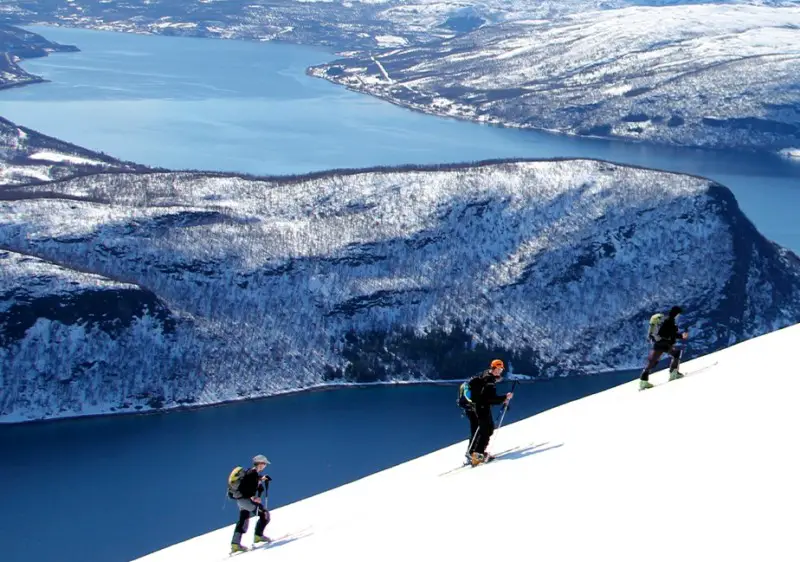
[481,427]
[655,354]
[248,508]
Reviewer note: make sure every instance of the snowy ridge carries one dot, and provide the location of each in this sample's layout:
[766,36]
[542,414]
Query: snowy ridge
[703,459]
[701,75]
[27,156]
[27,278]
[347,25]
[400,274]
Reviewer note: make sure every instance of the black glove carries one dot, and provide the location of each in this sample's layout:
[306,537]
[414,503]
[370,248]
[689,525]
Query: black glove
[267,477]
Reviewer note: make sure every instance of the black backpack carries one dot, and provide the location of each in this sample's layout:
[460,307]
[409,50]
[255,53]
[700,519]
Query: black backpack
[468,392]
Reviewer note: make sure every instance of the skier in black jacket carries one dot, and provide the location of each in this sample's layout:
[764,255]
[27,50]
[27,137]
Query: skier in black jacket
[664,338]
[483,395]
[251,487]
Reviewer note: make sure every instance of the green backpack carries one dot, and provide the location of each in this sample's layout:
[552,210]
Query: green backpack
[234,480]
[655,325]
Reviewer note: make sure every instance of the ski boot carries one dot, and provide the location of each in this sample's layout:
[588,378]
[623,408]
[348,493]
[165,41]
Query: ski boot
[238,548]
[261,538]
[675,375]
[644,385]
[476,459]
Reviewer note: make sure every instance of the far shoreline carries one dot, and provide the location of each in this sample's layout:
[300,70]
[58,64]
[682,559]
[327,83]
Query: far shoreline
[147,411]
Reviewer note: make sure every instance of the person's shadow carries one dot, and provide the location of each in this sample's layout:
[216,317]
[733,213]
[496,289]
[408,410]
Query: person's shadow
[525,451]
[290,537]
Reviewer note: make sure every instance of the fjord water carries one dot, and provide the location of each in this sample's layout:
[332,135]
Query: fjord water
[249,107]
[115,488]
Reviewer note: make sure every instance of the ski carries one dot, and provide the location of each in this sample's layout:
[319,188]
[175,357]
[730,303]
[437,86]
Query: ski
[257,546]
[690,373]
[468,464]
[464,465]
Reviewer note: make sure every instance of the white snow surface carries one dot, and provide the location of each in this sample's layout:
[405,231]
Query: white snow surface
[51,156]
[390,41]
[703,468]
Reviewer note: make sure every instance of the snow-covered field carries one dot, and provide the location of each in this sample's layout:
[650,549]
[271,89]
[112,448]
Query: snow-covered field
[702,468]
[698,75]
[58,157]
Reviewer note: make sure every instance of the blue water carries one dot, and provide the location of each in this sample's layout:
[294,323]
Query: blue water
[249,107]
[116,488]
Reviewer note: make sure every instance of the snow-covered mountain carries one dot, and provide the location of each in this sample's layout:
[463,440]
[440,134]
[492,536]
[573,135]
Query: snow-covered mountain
[704,75]
[111,332]
[27,156]
[343,25]
[17,44]
[695,469]
[392,274]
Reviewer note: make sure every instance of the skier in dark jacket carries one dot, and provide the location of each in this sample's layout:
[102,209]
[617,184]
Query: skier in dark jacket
[483,395]
[251,487]
[664,338]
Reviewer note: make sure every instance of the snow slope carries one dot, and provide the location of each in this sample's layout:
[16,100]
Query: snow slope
[699,469]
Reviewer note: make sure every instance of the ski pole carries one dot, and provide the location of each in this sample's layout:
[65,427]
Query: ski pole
[474,437]
[505,407]
[266,493]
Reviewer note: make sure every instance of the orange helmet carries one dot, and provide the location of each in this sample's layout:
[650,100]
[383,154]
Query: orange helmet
[497,363]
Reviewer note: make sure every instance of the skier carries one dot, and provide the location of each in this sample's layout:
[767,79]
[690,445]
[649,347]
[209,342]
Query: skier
[483,395]
[251,486]
[664,333]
